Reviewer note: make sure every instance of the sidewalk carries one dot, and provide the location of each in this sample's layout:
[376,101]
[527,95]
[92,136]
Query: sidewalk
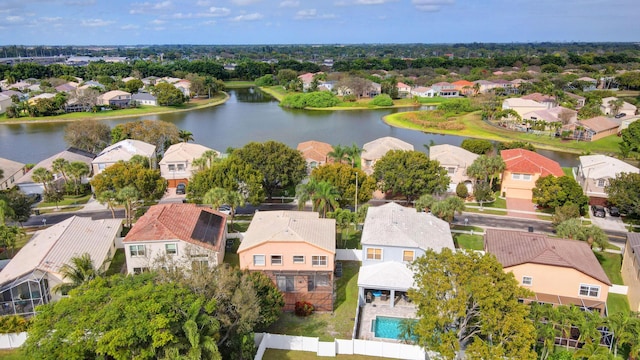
[93,205]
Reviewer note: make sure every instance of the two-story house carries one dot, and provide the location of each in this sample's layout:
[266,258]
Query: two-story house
[595,172]
[455,160]
[392,237]
[522,169]
[177,163]
[296,249]
[376,149]
[176,234]
[123,151]
[445,89]
[557,271]
[631,270]
[11,171]
[315,153]
[117,98]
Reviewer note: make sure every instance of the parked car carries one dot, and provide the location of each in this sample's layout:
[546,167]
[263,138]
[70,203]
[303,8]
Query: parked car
[181,189]
[225,209]
[614,211]
[621,115]
[598,211]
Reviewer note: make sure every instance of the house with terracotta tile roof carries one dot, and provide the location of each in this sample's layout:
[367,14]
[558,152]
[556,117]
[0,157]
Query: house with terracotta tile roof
[404,90]
[631,270]
[464,87]
[315,153]
[296,249]
[26,281]
[557,271]
[176,234]
[376,149]
[595,172]
[549,101]
[522,169]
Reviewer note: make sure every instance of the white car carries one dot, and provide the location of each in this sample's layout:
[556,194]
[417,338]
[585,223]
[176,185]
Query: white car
[225,209]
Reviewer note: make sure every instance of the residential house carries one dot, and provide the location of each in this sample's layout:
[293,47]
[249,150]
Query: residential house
[27,280]
[464,87]
[595,172]
[422,91]
[150,80]
[296,250]
[626,108]
[307,79]
[11,170]
[10,93]
[35,99]
[455,160]
[589,84]
[177,163]
[376,149]
[28,186]
[82,89]
[522,106]
[626,121]
[5,102]
[117,98]
[557,271]
[445,89]
[392,237]
[123,151]
[404,90]
[594,128]
[176,235]
[67,87]
[506,85]
[580,100]
[315,153]
[144,99]
[547,100]
[20,86]
[555,114]
[484,86]
[522,169]
[631,270]
[184,86]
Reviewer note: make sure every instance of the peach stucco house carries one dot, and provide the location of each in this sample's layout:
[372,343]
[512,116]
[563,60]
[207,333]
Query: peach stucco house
[631,269]
[523,168]
[557,271]
[296,249]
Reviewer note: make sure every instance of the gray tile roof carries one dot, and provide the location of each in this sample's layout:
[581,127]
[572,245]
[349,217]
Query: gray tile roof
[386,275]
[71,155]
[395,225]
[513,248]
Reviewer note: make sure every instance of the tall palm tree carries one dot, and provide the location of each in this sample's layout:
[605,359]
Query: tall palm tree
[353,152]
[235,200]
[109,198]
[215,196]
[592,351]
[81,270]
[304,192]
[624,327]
[60,166]
[325,197]
[200,330]
[185,135]
[128,196]
[338,153]
[44,176]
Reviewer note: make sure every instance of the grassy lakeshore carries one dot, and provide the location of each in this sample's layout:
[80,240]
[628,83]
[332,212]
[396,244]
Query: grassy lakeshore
[119,114]
[472,126]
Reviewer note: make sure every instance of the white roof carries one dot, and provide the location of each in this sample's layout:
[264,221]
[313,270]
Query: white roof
[53,247]
[395,225]
[184,151]
[71,155]
[452,155]
[379,147]
[602,166]
[124,150]
[386,275]
[290,226]
[518,102]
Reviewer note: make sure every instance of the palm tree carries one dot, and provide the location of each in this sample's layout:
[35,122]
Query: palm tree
[128,196]
[353,152]
[44,176]
[235,200]
[325,197]
[206,160]
[624,328]
[60,166]
[80,271]
[616,105]
[108,197]
[77,170]
[304,193]
[338,153]
[185,135]
[200,331]
[215,196]
[592,351]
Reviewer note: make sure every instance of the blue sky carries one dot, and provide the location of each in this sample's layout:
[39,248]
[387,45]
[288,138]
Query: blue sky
[106,22]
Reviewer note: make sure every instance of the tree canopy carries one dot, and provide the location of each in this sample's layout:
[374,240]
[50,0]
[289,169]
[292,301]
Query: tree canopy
[88,135]
[623,193]
[466,301]
[551,191]
[162,134]
[410,173]
[168,95]
[477,146]
[148,182]
[343,177]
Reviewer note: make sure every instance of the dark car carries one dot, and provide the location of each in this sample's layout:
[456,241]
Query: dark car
[598,211]
[621,115]
[614,211]
[181,189]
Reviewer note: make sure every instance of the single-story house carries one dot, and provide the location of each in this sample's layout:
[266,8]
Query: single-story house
[144,99]
[455,160]
[594,128]
[626,108]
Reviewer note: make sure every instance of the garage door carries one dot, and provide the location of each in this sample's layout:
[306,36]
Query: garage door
[174,182]
[519,193]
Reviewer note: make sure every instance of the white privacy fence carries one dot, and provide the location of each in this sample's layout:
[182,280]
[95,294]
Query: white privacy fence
[332,348]
[618,289]
[348,254]
[12,341]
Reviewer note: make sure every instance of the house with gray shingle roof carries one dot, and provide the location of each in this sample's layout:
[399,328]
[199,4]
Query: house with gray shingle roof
[27,280]
[296,249]
[11,171]
[144,98]
[557,271]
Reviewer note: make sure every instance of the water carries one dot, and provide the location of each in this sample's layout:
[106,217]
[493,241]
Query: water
[249,115]
[388,327]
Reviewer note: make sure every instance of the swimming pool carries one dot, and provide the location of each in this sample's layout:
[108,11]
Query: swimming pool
[387,327]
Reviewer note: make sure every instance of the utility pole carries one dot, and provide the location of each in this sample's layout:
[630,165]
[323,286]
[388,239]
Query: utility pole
[356,192]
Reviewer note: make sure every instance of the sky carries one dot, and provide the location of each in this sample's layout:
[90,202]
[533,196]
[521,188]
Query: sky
[223,22]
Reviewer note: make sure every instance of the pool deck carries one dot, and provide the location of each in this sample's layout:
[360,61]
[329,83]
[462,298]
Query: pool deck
[379,308]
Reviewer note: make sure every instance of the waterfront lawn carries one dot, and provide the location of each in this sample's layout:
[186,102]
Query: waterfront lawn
[239,84]
[468,242]
[327,326]
[274,354]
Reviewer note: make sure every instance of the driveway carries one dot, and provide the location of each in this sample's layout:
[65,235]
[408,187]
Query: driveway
[171,197]
[522,208]
[608,223]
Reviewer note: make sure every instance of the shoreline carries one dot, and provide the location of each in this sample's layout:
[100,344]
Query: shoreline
[207,103]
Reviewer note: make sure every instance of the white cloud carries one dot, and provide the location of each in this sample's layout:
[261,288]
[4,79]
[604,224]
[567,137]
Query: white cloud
[50,19]
[290,3]
[162,5]
[312,14]
[431,5]
[157,22]
[129,27]
[96,22]
[80,2]
[216,11]
[248,17]
[146,7]
[244,2]
[372,2]
[14,19]
[204,3]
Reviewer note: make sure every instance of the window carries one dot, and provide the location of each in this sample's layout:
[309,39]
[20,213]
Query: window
[140,270]
[136,250]
[102,166]
[298,259]
[276,259]
[285,283]
[451,170]
[171,167]
[322,280]
[527,280]
[515,176]
[601,182]
[171,249]
[258,260]
[319,260]
[408,255]
[199,264]
[374,254]
[180,167]
[589,290]
[526,177]
[523,177]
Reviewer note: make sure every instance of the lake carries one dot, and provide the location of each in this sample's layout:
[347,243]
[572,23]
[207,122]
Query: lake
[248,115]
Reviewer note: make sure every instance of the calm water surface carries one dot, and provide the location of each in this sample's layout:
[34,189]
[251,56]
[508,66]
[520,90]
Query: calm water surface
[249,115]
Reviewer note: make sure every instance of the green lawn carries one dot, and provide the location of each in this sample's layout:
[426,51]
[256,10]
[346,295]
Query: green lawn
[348,239]
[486,211]
[238,226]
[118,262]
[467,228]
[238,84]
[617,303]
[14,354]
[20,242]
[498,203]
[568,171]
[231,255]
[327,326]
[469,242]
[611,263]
[274,354]
[68,200]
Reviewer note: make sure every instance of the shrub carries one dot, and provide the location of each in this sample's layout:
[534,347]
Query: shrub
[304,308]
[349,98]
[318,99]
[382,100]
[516,145]
[462,191]
[13,324]
[477,146]
[267,80]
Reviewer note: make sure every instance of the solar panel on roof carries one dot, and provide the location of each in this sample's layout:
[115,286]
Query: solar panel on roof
[207,228]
